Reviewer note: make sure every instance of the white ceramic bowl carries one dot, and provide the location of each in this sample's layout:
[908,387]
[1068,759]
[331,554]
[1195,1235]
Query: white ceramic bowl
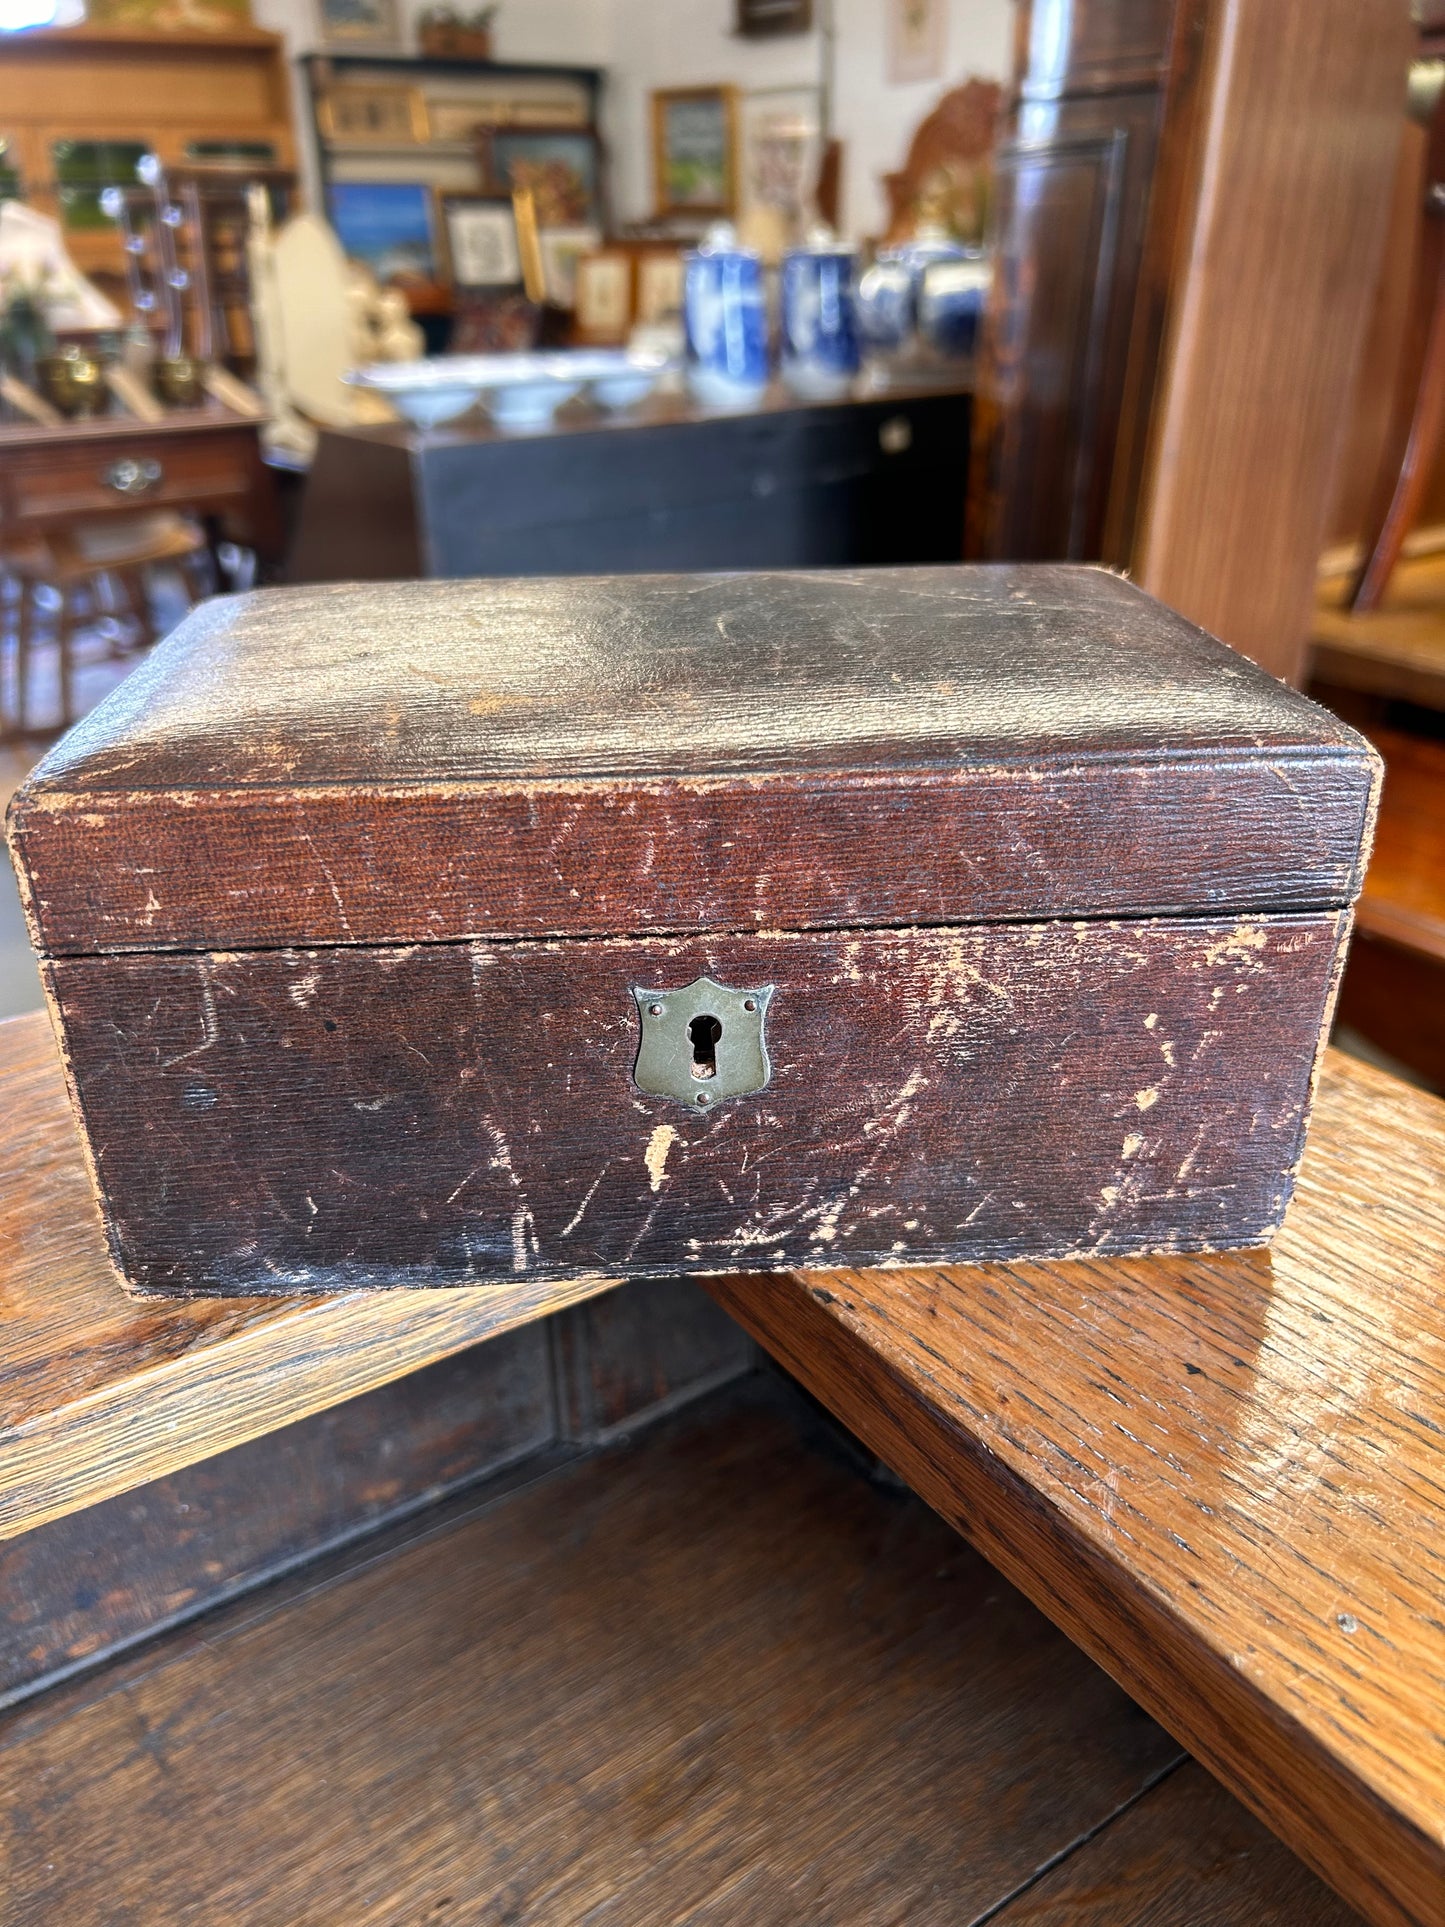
[528,404]
[519,391]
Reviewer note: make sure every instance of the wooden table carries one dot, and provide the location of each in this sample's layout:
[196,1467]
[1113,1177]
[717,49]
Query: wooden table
[718,1676]
[876,478]
[203,461]
[1224,1477]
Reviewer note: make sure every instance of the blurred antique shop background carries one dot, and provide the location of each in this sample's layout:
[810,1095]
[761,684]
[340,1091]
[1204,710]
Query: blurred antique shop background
[351,289]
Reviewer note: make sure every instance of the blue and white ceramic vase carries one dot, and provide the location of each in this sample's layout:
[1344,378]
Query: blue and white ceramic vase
[951,297]
[820,323]
[888,291]
[725,311]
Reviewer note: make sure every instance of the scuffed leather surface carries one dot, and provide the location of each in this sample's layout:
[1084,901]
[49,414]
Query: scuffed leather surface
[419,682]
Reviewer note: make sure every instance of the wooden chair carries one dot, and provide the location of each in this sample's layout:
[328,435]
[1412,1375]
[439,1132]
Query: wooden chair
[1419,413]
[87,568]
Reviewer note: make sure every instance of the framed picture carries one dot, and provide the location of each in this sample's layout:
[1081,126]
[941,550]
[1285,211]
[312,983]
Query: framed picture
[360,25]
[604,295]
[916,33]
[659,286]
[562,248]
[760,19]
[560,166]
[199,16]
[781,151]
[459,120]
[480,236]
[694,150]
[386,224]
[380,115]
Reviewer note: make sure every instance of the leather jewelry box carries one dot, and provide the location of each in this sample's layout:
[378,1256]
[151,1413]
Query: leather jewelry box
[430,933]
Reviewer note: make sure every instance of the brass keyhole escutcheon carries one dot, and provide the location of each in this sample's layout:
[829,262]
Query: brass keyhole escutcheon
[703,1043]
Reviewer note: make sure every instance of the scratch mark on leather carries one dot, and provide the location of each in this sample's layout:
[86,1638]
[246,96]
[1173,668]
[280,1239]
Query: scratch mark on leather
[330,880]
[452,1196]
[210,1029]
[590,1193]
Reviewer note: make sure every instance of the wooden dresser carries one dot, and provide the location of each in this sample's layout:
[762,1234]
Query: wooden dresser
[667,486]
[203,461]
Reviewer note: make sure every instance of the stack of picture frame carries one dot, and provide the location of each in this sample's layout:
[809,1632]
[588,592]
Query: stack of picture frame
[425,165]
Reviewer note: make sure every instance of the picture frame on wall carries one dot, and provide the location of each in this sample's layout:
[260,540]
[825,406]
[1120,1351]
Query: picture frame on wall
[479,241]
[562,249]
[375,114]
[388,225]
[917,33]
[780,147]
[360,26]
[604,296]
[659,285]
[560,166]
[695,150]
[210,16]
[762,19]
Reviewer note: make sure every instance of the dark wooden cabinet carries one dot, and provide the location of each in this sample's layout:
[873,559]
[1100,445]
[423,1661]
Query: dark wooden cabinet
[829,485]
[1192,196]
[1075,175]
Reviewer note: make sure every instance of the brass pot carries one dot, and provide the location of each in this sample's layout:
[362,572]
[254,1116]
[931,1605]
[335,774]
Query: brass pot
[177,380]
[73,381]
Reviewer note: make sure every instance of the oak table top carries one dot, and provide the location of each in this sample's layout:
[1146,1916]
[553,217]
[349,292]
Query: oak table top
[718,1676]
[1223,1476]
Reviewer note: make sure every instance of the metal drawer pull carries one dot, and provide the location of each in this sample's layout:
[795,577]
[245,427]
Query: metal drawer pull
[130,477]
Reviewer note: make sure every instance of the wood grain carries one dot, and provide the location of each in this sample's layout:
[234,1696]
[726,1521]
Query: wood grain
[1222,1476]
[76,1589]
[448,1113]
[164,87]
[98,1394]
[1302,116]
[718,1679]
[1185,1855]
[79,1587]
[208,462]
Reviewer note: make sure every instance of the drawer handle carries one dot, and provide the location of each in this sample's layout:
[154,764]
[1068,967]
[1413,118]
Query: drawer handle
[130,477]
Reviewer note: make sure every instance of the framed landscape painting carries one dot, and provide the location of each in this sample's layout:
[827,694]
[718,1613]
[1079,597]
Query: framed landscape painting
[365,26]
[386,224]
[694,150]
[562,167]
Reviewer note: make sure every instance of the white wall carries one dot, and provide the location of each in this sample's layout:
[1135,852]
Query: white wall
[575,32]
[678,43]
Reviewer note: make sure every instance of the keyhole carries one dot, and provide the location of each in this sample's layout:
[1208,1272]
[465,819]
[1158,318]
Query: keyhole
[704,1032]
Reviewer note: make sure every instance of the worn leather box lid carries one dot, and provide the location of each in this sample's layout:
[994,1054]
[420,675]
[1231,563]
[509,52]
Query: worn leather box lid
[427,761]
